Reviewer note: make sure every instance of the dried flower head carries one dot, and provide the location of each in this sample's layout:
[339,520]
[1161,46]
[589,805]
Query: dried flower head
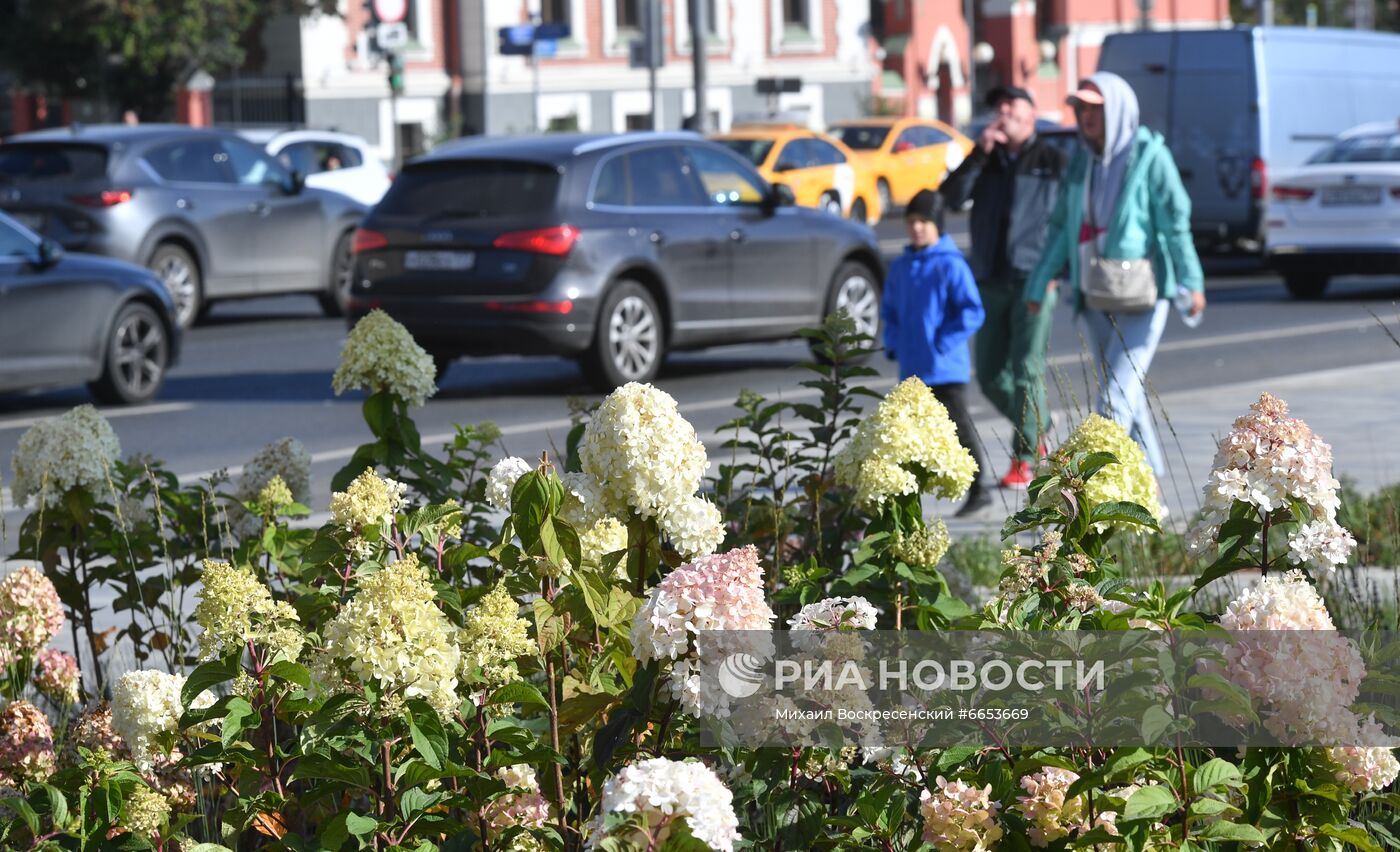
[959,817]
[26,744]
[30,613]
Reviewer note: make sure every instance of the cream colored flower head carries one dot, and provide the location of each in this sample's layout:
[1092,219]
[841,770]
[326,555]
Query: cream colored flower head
[369,500]
[959,817]
[392,633]
[1130,480]
[662,791]
[145,812]
[74,450]
[380,354]
[235,608]
[907,445]
[493,636]
[146,712]
[924,547]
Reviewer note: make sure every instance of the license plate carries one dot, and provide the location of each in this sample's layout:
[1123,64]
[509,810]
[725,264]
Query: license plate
[440,261]
[32,221]
[1350,196]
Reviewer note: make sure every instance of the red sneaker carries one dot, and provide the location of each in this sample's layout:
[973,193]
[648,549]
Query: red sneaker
[1018,477]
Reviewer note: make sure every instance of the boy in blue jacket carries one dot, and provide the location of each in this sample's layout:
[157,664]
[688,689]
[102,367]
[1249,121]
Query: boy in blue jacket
[930,310]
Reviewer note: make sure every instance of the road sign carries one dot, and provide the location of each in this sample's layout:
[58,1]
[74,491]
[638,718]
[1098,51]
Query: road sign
[649,51]
[391,36]
[552,32]
[390,11]
[546,48]
[517,40]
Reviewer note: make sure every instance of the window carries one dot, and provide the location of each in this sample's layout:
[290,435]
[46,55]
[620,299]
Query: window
[15,243]
[637,121]
[252,167]
[472,189]
[661,179]
[192,161]
[911,138]
[629,14]
[795,14]
[612,185]
[825,153]
[753,150]
[41,161]
[312,158]
[1377,148]
[725,179]
[554,11]
[862,137]
[795,155]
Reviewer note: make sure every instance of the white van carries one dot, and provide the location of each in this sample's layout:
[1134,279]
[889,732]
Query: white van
[1237,105]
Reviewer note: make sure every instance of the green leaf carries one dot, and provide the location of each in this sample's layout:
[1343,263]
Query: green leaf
[360,826]
[1150,803]
[206,676]
[1156,721]
[517,692]
[1215,773]
[58,805]
[1233,831]
[1210,807]
[429,738]
[323,767]
[292,672]
[1352,836]
[1123,513]
[236,715]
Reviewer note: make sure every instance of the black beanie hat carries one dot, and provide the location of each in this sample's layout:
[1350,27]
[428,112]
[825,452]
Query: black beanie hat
[926,204]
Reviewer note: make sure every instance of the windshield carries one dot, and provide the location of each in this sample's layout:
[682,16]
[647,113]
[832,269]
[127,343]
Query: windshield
[32,161]
[472,189]
[861,137]
[753,150]
[1371,148]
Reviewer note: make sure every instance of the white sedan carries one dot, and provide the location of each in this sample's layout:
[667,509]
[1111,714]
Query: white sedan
[1339,214]
[329,160]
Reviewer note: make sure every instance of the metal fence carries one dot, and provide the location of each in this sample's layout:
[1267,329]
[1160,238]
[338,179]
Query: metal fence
[243,101]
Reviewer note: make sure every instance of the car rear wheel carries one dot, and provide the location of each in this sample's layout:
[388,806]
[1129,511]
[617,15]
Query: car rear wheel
[886,200]
[1305,286]
[335,301]
[831,203]
[855,289]
[629,342]
[858,211]
[138,355]
[179,273]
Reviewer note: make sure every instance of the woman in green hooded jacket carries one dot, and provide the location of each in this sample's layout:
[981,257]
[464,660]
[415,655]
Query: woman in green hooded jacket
[1122,199]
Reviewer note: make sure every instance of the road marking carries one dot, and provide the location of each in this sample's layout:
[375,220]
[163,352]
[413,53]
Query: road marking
[109,413]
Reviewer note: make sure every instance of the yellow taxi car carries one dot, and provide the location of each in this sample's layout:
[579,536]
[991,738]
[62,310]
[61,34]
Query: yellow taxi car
[820,171]
[904,154]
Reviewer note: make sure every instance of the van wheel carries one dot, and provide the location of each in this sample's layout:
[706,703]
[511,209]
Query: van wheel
[858,212]
[831,203]
[177,270]
[628,342]
[137,357]
[856,290]
[1305,287]
[886,199]
[335,299]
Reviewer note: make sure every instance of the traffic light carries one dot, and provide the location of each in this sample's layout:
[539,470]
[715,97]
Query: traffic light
[396,73]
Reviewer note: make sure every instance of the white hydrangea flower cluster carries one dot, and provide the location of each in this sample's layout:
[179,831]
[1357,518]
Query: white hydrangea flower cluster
[908,445]
[392,632]
[1304,676]
[285,458]
[721,593]
[959,817]
[1268,459]
[501,481]
[924,547]
[146,712]
[235,608]
[1130,480]
[380,354]
[367,501]
[74,450]
[663,791]
[606,535]
[640,456]
[852,613]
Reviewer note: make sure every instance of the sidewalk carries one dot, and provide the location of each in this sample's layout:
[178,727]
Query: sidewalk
[1356,410]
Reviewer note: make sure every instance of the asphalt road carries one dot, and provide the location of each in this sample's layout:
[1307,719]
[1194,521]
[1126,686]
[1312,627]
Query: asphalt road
[260,370]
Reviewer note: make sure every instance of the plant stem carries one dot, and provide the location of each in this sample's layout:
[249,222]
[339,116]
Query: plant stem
[558,792]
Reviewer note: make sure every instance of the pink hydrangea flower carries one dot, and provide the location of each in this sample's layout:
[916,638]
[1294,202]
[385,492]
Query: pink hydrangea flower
[26,744]
[57,676]
[30,613]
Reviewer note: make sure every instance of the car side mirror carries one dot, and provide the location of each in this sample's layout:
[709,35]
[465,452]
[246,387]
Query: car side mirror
[779,195]
[50,253]
[296,183]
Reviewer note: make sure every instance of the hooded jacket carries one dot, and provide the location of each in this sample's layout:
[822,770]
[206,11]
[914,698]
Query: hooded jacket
[930,308]
[1137,195]
[1016,195]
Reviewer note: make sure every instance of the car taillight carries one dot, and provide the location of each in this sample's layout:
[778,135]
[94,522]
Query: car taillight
[1293,193]
[552,241]
[563,307]
[1258,179]
[105,198]
[366,240]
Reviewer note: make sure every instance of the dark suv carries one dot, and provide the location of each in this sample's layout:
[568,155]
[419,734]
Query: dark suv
[611,249]
[213,215]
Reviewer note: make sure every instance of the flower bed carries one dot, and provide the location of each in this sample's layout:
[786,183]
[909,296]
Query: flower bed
[517,654]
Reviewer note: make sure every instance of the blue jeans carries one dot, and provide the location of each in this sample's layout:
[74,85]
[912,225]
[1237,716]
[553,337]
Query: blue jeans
[1124,344]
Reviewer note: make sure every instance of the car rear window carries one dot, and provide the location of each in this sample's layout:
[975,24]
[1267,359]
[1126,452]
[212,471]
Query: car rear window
[1371,148]
[472,189]
[861,137]
[753,150]
[67,162]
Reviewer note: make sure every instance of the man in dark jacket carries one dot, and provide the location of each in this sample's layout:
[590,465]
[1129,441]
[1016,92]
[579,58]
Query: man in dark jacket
[1012,177]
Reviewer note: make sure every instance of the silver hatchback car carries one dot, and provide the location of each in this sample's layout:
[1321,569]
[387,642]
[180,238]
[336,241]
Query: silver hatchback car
[213,215]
